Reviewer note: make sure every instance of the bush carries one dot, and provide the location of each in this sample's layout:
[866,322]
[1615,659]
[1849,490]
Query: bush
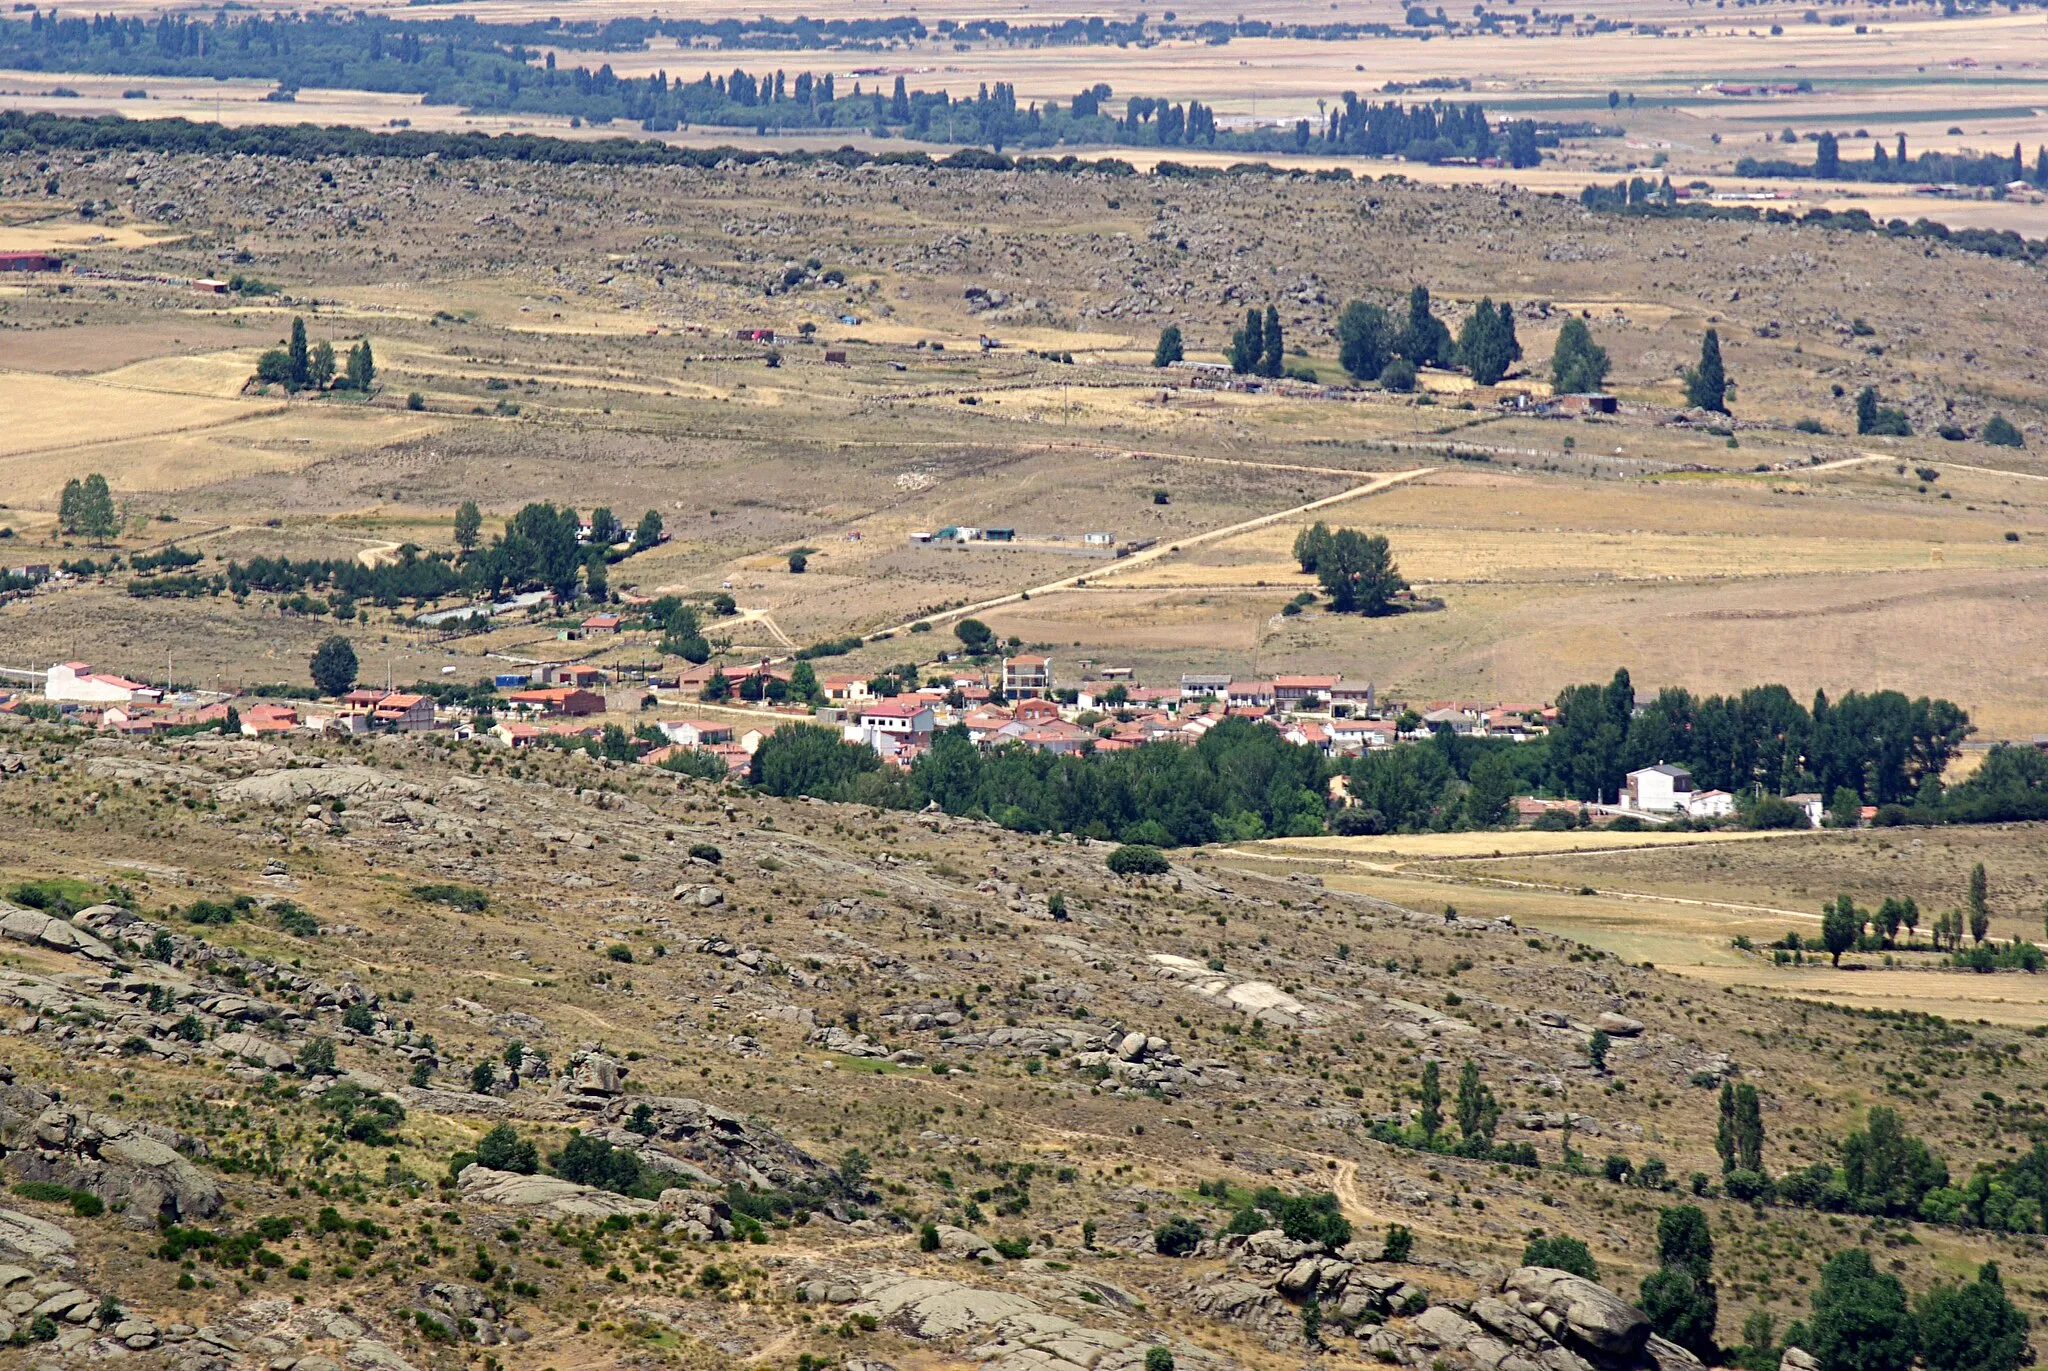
[1562,1254]
[295,920]
[706,852]
[502,1149]
[1177,1237]
[1773,812]
[1138,859]
[1014,1249]
[1158,1359]
[1315,1218]
[928,1237]
[1747,1185]
[2002,432]
[1399,1243]
[467,899]
[1398,375]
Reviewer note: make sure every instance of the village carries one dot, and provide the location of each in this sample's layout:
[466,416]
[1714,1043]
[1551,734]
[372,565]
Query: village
[706,712]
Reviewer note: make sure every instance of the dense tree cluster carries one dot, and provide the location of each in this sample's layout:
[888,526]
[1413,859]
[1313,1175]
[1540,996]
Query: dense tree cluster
[87,508]
[1883,745]
[1241,781]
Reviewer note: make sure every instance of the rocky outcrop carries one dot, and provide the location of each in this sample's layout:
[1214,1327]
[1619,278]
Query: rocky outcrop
[591,1080]
[1575,1310]
[936,1309]
[32,1239]
[701,1143]
[566,1199]
[131,1167]
[46,930]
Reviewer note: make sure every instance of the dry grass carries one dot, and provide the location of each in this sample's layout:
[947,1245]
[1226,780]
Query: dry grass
[1520,843]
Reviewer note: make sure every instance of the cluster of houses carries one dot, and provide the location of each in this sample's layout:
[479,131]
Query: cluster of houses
[1332,715]
[1109,712]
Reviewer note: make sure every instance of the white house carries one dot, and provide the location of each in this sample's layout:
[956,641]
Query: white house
[1710,804]
[1659,789]
[78,683]
[907,718]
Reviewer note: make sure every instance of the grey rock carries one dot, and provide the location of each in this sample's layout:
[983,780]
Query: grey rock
[1442,1326]
[1619,1025]
[1666,1355]
[1798,1359]
[1598,1320]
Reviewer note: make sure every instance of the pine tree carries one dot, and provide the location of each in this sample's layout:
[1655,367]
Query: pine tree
[1274,360]
[1577,363]
[1724,1131]
[1980,906]
[301,362]
[1507,325]
[1169,350]
[469,524]
[1706,385]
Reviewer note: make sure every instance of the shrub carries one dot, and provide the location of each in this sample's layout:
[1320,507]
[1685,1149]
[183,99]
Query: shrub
[619,952]
[1773,812]
[1315,1218]
[1138,859]
[1158,1359]
[1177,1237]
[468,899]
[928,1237]
[706,852]
[1398,375]
[1562,1254]
[1399,1243]
[2002,432]
[502,1149]
[294,920]
[1016,1249]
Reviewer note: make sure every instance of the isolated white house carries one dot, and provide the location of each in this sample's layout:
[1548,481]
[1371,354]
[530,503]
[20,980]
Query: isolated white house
[78,683]
[1659,789]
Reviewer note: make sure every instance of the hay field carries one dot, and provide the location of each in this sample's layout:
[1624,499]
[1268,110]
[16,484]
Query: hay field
[1694,939]
[1520,843]
[49,416]
[1459,528]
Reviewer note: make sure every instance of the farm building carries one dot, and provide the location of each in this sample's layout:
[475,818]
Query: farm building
[557,700]
[78,683]
[30,261]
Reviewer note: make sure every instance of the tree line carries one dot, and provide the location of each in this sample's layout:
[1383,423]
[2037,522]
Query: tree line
[1240,781]
[1640,197]
[1893,168]
[490,68]
[1883,746]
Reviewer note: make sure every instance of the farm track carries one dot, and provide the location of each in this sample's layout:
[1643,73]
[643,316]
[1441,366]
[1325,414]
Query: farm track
[1154,554]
